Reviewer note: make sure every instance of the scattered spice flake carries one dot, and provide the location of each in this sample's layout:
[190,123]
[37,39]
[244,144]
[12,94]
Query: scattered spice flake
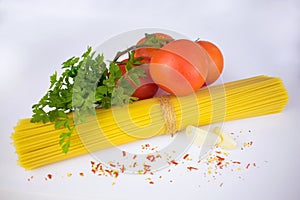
[124,153]
[254,164]
[173,162]
[221,184]
[122,169]
[112,165]
[154,148]
[248,144]
[147,168]
[185,156]
[30,178]
[49,176]
[81,174]
[151,158]
[192,168]
[220,158]
[248,165]
[158,156]
[115,173]
[151,182]
[236,162]
[134,156]
[134,164]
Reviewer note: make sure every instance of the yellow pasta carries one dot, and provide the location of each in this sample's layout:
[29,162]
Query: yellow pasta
[37,144]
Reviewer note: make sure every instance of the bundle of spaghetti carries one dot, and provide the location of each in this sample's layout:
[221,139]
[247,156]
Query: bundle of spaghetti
[37,144]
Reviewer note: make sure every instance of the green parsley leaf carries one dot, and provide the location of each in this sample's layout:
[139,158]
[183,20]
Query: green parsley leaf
[85,84]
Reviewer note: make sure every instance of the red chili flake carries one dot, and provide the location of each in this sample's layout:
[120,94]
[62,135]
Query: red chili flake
[124,153]
[151,158]
[92,162]
[109,172]
[147,167]
[134,156]
[49,176]
[185,156]
[236,162]
[169,170]
[218,152]
[219,163]
[192,168]
[151,182]
[98,165]
[112,165]
[115,174]
[250,143]
[81,174]
[199,161]
[220,158]
[122,169]
[173,162]
[248,165]
[134,164]
[147,145]
[254,164]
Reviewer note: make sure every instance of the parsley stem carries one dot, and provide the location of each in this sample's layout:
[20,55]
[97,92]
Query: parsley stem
[134,47]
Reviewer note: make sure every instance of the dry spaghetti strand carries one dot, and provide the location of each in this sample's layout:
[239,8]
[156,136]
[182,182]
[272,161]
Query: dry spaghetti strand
[37,144]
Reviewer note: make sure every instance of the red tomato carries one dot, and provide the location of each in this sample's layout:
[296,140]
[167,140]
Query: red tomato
[148,52]
[147,88]
[179,67]
[217,60]
[145,52]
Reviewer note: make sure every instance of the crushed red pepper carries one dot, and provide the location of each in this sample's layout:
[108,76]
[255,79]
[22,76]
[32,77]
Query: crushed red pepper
[49,176]
[215,162]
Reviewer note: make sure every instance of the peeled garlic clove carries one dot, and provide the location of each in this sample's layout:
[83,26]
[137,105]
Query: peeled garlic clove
[226,142]
[203,137]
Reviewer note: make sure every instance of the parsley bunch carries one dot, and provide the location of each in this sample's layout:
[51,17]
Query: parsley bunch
[86,82]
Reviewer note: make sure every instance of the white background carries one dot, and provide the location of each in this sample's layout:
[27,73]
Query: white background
[256,37]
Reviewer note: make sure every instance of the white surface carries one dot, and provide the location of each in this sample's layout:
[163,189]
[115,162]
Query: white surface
[256,37]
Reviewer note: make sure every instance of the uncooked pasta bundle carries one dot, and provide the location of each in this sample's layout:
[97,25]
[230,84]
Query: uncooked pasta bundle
[37,144]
